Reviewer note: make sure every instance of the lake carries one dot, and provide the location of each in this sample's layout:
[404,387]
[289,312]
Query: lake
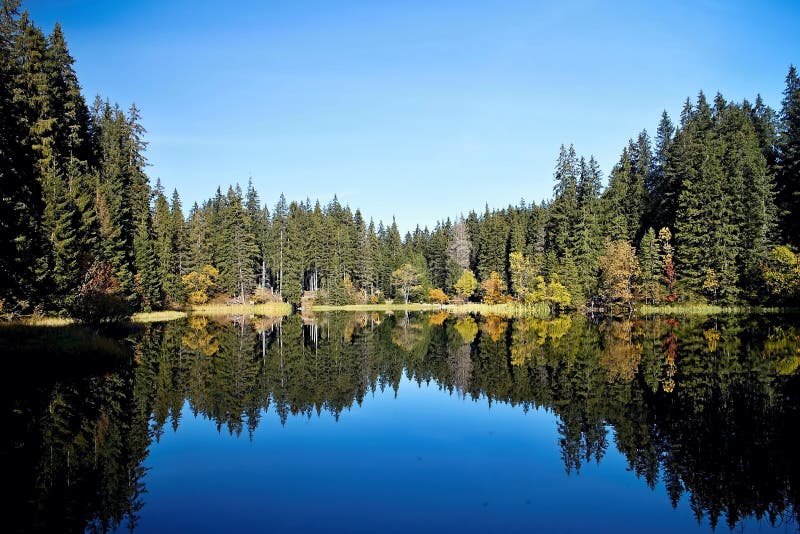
[407,422]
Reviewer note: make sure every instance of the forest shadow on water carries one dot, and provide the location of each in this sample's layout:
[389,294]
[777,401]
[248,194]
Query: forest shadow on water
[695,414]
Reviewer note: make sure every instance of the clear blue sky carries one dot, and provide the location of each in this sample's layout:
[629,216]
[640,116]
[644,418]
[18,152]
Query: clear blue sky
[419,109]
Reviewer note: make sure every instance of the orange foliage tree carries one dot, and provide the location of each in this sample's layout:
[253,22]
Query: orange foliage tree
[494,289]
[437,295]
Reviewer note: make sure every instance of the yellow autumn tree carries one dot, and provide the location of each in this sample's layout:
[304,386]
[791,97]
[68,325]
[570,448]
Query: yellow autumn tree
[466,284]
[494,289]
[437,295]
[197,283]
[619,268]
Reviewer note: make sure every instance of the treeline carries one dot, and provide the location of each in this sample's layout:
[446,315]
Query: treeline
[705,211]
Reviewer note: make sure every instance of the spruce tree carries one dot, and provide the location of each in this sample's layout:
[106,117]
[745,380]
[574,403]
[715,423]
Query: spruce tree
[563,211]
[789,159]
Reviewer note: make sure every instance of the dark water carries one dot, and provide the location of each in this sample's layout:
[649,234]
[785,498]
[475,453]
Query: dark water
[366,423]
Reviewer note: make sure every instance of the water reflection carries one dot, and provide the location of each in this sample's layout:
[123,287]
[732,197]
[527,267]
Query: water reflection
[708,406]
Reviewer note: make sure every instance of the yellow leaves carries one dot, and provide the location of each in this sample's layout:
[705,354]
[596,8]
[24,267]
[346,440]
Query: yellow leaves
[466,284]
[406,280]
[619,267]
[494,289]
[710,279]
[437,295]
[198,322]
[557,293]
[198,297]
[668,385]
[197,283]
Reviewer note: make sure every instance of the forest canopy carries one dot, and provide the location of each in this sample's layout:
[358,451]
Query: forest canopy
[706,210]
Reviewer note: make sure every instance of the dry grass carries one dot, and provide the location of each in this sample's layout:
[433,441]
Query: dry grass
[272,309]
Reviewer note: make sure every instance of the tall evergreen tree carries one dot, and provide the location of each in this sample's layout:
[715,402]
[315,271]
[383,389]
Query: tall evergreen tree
[563,211]
[789,159]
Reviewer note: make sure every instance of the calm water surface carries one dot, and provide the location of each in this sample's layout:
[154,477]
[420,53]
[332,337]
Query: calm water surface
[370,422]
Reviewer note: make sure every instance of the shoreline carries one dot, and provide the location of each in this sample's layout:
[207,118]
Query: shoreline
[508,310]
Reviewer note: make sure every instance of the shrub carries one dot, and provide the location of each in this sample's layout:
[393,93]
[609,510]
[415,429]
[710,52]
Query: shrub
[99,300]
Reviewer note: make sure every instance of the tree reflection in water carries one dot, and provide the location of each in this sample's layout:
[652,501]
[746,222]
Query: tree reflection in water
[708,406]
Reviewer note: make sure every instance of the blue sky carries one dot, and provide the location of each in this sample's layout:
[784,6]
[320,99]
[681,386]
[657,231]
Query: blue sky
[418,109]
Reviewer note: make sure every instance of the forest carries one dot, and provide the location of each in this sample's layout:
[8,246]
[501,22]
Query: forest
[705,211]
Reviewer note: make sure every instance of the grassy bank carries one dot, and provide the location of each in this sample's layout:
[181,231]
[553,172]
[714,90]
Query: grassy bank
[708,309]
[512,309]
[271,309]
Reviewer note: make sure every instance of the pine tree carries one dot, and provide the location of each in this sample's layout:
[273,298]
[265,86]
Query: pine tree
[789,159]
[295,256]
[587,231]
[662,194]
[179,245]
[20,193]
[164,239]
[649,274]
[67,273]
[493,245]
[563,211]
[238,250]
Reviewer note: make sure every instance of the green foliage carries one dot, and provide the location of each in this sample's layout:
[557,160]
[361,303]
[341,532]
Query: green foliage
[782,274]
[649,274]
[341,293]
[788,159]
[406,280]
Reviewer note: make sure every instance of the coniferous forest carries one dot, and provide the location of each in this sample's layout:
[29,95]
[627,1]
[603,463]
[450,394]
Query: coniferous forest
[706,210]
